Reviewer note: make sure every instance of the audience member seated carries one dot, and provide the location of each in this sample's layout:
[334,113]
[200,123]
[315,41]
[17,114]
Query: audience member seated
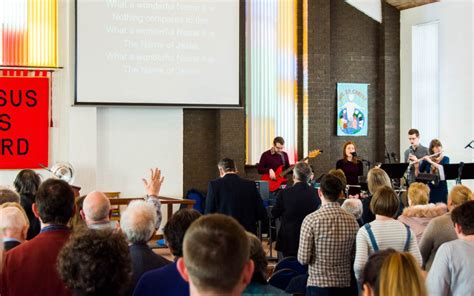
[236,197]
[138,222]
[384,232]
[77,222]
[30,268]
[167,280]
[216,256]
[354,206]
[259,284]
[95,262]
[441,229]
[7,195]
[327,243]
[389,273]
[26,184]
[96,211]
[376,178]
[14,225]
[453,267]
[293,204]
[419,213]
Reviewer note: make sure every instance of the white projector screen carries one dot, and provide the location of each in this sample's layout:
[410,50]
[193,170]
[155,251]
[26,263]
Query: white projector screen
[164,52]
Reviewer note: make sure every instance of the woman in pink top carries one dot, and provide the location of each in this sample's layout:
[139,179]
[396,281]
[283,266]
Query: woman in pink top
[419,213]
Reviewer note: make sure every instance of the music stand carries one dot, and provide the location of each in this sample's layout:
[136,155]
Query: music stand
[395,170]
[451,171]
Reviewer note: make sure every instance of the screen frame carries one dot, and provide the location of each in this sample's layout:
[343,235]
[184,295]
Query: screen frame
[241,75]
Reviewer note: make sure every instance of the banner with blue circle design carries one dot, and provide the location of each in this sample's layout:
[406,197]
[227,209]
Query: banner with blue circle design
[352,109]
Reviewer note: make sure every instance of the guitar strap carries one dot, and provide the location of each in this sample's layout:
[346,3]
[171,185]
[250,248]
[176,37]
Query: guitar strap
[283,160]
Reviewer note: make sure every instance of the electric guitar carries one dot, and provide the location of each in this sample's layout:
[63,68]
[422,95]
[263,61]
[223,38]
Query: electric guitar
[280,174]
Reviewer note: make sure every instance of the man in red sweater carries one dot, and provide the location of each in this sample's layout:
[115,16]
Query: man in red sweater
[30,268]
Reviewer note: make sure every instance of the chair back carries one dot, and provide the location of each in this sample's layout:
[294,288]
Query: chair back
[198,197]
[282,278]
[291,263]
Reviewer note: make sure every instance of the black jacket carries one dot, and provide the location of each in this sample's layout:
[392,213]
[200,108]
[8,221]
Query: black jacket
[10,245]
[26,201]
[293,204]
[143,260]
[236,197]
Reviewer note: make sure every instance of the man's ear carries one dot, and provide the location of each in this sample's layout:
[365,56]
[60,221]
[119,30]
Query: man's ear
[458,229]
[24,232]
[320,193]
[366,290]
[83,216]
[35,210]
[182,269]
[248,272]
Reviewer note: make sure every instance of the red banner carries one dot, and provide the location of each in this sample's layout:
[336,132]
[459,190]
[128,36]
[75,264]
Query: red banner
[24,114]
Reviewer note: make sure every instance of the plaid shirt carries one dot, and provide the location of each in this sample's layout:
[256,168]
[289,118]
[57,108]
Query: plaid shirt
[327,244]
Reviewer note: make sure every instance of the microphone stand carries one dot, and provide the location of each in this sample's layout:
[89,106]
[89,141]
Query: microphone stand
[387,155]
[461,166]
[469,145]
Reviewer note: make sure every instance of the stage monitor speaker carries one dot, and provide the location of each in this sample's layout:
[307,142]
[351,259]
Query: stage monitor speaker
[264,189]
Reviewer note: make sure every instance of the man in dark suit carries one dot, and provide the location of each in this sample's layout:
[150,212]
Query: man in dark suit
[233,196]
[30,268]
[14,224]
[292,206]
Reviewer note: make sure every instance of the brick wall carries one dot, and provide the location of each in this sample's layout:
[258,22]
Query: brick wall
[351,47]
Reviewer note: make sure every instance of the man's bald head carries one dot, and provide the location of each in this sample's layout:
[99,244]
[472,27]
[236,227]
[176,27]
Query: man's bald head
[96,207]
[14,223]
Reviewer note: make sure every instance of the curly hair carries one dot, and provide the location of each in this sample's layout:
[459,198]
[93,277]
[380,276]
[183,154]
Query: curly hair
[96,262]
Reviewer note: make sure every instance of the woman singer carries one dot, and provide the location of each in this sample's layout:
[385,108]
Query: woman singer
[351,166]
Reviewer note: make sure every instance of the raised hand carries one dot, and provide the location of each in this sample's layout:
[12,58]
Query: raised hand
[153,186]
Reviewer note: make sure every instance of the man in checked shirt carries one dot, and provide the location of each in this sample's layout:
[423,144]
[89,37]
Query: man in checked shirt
[327,243]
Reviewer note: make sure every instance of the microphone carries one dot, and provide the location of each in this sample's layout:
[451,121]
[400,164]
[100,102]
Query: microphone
[394,156]
[469,145]
[354,154]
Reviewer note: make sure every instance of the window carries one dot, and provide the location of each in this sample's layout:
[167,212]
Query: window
[425,80]
[28,33]
[271,63]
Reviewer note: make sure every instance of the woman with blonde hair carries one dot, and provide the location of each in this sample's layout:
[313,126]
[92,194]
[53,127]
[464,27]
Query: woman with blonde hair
[376,178]
[391,273]
[420,212]
[441,229]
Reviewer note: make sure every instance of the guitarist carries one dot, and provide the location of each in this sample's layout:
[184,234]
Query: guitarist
[273,158]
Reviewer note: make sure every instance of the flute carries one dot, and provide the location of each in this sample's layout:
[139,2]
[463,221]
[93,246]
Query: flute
[432,155]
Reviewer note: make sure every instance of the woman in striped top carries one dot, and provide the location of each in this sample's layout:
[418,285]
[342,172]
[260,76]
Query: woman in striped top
[384,232]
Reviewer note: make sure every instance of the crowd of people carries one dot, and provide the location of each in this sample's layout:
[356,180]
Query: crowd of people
[57,244]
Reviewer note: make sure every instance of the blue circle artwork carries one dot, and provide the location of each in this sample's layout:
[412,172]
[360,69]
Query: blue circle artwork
[351,125]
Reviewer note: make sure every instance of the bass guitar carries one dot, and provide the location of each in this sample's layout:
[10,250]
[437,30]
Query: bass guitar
[280,173]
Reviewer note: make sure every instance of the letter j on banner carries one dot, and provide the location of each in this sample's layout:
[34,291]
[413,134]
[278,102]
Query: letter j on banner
[352,109]
[24,125]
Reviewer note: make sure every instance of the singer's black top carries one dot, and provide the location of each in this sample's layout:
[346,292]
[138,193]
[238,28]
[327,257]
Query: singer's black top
[352,172]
